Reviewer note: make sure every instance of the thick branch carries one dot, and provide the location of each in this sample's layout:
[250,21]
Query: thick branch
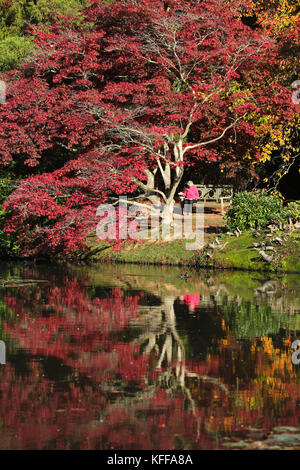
[201,144]
[146,188]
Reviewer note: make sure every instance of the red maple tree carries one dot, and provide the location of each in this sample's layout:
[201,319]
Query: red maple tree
[151,88]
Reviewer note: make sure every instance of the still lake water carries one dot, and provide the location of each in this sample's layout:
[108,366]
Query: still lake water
[130,357]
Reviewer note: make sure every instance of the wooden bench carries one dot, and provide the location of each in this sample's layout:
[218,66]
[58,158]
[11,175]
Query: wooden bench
[217,193]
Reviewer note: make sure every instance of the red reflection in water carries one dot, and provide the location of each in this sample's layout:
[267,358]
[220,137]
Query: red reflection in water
[86,381]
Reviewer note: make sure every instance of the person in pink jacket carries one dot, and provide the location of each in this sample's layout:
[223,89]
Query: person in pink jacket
[191,196]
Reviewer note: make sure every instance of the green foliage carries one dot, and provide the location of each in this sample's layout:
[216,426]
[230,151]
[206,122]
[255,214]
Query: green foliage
[13,50]
[16,15]
[6,187]
[253,210]
[41,11]
[292,211]
[249,320]
[8,245]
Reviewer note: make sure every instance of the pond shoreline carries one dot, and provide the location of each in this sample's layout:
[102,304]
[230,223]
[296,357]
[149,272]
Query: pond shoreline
[232,253]
[194,266]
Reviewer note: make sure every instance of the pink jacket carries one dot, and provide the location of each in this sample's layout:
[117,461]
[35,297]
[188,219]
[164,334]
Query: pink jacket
[191,193]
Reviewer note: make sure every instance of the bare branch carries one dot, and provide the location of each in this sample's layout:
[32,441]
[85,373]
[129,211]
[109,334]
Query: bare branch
[201,144]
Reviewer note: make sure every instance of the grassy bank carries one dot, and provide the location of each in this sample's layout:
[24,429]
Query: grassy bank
[150,252]
[238,253]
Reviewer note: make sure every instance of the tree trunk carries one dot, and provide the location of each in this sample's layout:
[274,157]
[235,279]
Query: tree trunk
[167,213]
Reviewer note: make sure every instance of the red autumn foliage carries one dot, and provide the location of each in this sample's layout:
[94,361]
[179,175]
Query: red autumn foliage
[151,86]
[55,212]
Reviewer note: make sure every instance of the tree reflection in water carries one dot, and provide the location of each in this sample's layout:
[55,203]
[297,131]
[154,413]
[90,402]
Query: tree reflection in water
[109,357]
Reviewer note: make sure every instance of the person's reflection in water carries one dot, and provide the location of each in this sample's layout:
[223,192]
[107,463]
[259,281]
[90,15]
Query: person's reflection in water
[191,300]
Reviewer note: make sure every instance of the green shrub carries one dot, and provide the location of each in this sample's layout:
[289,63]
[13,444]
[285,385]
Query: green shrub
[8,244]
[254,210]
[292,211]
[13,51]
[6,188]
